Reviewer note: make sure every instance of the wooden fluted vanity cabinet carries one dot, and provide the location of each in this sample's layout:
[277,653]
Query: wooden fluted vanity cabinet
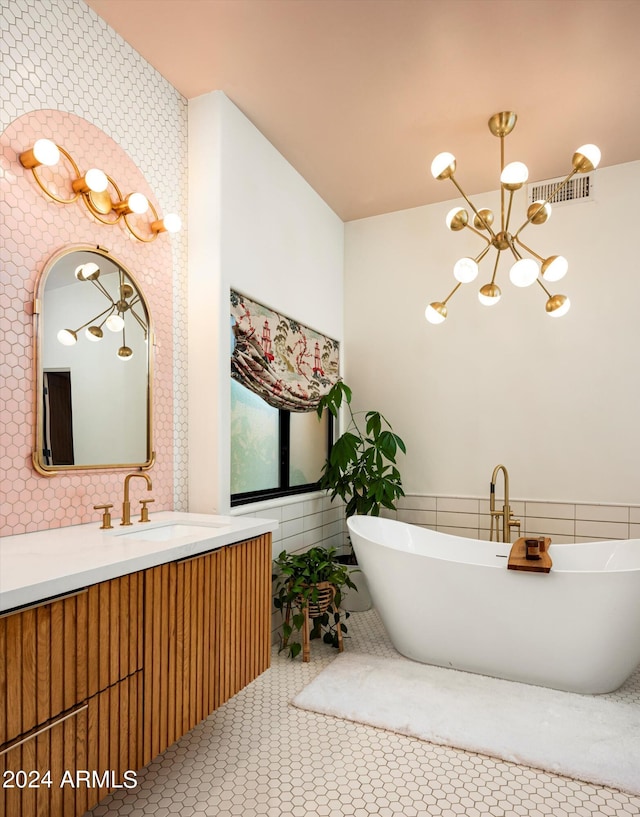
[103,680]
[207,635]
[68,668]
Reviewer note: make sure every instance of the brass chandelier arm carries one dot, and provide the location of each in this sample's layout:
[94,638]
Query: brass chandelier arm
[96,317]
[453,291]
[495,267]
[544,288]
[528,249]
[505,224]
[473,207]
[98,285]
[482,254]
[555,190]
[477,232]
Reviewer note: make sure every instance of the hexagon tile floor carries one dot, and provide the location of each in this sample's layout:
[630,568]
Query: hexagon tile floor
[258,755]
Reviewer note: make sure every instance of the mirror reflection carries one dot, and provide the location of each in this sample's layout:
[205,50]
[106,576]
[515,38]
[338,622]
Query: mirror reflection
[94,372]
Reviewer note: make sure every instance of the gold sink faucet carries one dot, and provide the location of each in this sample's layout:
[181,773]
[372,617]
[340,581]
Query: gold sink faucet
[506,513]
[126,505]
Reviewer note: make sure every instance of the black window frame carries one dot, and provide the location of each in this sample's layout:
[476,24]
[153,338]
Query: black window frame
[284,489]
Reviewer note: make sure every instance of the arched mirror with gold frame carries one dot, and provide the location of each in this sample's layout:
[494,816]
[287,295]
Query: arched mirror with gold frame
[93,365]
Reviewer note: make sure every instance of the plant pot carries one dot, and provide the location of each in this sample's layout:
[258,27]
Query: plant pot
[326,593]
[357,601]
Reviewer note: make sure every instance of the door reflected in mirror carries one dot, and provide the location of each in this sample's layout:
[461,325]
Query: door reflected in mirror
[93,364]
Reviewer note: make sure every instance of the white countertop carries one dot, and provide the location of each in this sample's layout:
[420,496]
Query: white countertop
[37,566]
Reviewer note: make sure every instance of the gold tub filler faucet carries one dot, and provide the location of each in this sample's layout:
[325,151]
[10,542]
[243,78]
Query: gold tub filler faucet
[506,514]
[126,504]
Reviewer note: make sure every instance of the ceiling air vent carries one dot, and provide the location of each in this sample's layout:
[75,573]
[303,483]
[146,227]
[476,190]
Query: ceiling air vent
[578,189]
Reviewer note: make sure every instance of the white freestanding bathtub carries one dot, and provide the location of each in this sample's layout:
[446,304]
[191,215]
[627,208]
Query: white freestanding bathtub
[451,601]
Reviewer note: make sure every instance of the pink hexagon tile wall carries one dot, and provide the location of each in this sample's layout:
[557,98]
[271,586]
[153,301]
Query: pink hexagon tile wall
[32,228]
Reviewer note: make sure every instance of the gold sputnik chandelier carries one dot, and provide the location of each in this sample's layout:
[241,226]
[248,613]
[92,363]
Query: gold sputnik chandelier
[113,316]
[98,191]
[525,270]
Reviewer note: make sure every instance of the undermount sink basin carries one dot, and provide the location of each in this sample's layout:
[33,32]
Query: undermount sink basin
[171,531]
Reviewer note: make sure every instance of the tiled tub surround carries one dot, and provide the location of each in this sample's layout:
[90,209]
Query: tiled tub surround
[566,522]
[315,520]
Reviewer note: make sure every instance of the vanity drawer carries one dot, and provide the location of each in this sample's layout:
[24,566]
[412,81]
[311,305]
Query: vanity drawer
[67,766]
[57,654]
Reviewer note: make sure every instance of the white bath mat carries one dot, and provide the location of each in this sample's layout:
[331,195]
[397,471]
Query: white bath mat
[590,738]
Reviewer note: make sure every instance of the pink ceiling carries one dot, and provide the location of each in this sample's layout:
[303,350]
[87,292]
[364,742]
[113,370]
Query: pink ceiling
[359,95]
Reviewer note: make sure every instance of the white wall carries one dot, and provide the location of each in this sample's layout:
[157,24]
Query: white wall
[556,400]
[258,227]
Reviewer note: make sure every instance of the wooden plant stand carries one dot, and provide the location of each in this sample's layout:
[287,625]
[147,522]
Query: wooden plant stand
[311,610]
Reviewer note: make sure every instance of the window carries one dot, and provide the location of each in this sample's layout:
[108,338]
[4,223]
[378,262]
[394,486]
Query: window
[274,452]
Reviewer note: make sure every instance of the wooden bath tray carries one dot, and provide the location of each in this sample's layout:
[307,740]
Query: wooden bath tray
[519,561]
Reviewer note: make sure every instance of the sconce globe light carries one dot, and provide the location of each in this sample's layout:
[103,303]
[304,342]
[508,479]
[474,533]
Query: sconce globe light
[98,191]
[44,152]
[526,269]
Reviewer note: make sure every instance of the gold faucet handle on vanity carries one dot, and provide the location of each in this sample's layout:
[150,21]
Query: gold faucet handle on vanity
[106,516]
[144,511]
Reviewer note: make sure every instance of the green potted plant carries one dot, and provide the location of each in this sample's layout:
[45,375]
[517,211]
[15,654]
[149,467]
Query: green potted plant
[361,468]
[308,589]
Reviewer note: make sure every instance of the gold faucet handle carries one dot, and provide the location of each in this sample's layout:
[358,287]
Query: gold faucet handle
[144,511]
[106,516]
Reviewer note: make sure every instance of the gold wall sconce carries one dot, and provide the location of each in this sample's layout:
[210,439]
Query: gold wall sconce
[98,191]
[526,270]
[113,316]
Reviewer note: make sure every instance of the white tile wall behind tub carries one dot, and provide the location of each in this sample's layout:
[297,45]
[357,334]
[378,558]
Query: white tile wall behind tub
[603,513]
[43,65]
[564,522]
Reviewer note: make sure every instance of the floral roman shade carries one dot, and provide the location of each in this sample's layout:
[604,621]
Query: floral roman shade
[287,364]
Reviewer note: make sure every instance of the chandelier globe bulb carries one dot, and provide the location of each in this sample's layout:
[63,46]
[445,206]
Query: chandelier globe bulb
[436,312]
[483,218]
[514,175]
[443,166]
[87,272]
[115,323]
[586,158]
[67,337]
[457,219]
[489,294]
[524,272]
[554,268]
[125,353]
[557,306]
[465,270]
[539,212]
[93,333]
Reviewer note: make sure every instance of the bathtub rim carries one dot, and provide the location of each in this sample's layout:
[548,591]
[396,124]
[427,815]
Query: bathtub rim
[384,520]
